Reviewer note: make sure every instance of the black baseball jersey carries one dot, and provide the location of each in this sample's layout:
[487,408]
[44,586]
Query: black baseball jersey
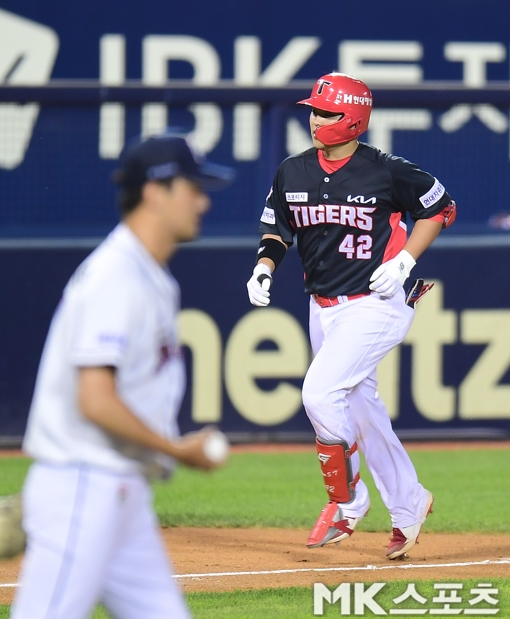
[351,221]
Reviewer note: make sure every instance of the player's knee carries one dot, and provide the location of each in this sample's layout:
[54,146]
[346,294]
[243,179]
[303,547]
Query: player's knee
[322,397]
[314,400]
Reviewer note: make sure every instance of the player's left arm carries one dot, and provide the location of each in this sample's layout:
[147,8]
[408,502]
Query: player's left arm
[425,231]
[431,208]
[422,236]
[390,276]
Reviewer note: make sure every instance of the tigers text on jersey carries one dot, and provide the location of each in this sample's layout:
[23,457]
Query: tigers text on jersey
[348,222]
[119,309]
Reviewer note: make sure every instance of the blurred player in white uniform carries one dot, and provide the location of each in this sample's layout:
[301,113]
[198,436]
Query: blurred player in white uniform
[347,203]
[103,418]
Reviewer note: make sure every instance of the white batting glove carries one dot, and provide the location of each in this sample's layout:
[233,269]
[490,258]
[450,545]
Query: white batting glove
[390,276]
[258,285]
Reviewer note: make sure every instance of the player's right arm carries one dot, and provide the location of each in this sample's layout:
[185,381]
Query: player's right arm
[100,403]
[271,252]
[272,247]
[266,259]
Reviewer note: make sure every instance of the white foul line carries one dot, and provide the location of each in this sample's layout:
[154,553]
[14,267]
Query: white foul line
[345,569]
[362,568]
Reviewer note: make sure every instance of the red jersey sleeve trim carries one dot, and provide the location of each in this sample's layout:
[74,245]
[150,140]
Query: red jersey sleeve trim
[439,217]
[398,237]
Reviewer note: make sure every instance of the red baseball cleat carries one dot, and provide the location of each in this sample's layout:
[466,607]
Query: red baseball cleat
[332,526]
[404,539]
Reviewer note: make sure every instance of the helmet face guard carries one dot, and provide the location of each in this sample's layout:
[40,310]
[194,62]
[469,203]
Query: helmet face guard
[341,94]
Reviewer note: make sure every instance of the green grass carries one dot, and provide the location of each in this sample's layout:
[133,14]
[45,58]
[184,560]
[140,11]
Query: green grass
[268,490]
[286,490]
[472,489]
[297,602]
[12,474]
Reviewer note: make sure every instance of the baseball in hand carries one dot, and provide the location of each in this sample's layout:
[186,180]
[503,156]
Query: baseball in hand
[216,447]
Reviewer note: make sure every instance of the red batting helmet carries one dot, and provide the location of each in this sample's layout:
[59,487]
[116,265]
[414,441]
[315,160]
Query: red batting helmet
[341,94]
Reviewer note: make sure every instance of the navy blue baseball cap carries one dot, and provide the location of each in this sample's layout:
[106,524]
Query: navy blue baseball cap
[165,156]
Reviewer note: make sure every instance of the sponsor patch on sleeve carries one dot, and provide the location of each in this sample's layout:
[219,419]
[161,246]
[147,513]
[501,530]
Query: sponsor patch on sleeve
[296,196]
[434,194]
[268,216]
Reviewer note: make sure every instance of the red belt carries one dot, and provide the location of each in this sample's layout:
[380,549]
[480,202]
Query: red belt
[331,301]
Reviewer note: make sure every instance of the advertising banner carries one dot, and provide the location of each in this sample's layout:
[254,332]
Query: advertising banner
[246,365]
[56,159]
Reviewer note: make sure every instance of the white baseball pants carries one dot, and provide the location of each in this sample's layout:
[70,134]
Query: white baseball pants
[93,537]
[341,400]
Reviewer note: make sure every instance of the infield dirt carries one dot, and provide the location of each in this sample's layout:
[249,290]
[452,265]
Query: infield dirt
[230,559]
[197,552]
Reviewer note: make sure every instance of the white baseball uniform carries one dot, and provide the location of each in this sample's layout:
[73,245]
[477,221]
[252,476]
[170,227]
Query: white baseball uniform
[340,395]
[93,535]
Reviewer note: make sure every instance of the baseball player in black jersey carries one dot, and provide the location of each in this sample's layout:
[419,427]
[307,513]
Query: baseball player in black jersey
[346,204]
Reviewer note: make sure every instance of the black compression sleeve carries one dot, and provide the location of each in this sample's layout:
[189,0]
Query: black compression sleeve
[272,249]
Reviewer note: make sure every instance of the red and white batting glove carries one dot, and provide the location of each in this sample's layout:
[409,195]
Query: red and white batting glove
[258,285]
[390,276]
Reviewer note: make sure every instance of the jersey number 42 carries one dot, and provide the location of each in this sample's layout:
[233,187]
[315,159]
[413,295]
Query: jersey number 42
[362,249]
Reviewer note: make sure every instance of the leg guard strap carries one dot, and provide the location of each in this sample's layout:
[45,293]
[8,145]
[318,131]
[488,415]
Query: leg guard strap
[337,471]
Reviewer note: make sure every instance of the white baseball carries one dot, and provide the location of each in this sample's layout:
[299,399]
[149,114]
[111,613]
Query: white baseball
[216,447]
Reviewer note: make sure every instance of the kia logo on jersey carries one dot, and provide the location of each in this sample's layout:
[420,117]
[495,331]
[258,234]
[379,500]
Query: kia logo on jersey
[27,55]
[361,199]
